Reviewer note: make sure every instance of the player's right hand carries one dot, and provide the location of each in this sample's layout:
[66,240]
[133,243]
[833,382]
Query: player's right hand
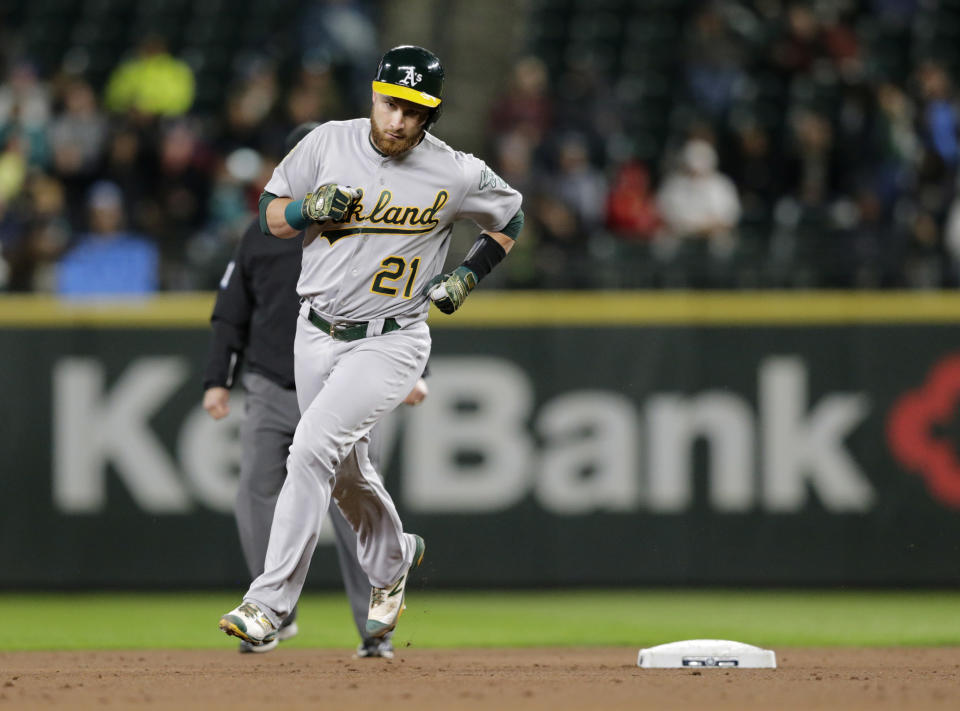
[418,394]
[216,401]
[329,203]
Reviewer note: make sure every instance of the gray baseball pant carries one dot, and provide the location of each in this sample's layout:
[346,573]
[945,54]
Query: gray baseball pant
[271,418]
[344,388]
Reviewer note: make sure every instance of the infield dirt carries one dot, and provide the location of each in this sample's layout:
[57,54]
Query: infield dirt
[554,679]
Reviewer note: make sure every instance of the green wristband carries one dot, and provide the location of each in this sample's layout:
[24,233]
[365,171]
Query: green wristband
[293,214]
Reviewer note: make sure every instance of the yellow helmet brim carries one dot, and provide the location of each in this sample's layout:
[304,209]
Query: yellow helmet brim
[405,92]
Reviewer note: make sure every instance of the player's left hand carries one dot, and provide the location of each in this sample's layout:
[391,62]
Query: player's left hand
[329,203]
[449,291]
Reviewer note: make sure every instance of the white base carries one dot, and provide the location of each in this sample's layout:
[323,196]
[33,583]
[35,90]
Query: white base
[700,653]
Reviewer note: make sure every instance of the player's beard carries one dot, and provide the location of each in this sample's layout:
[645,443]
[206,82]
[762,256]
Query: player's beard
[391,146]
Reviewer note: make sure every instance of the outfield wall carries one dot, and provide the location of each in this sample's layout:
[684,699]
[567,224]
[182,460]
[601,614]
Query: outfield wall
[569,438]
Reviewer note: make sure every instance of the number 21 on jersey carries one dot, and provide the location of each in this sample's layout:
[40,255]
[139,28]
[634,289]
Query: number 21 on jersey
[394,269]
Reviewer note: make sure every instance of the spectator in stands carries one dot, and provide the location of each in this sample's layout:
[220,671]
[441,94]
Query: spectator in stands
[757,170]
[923,267]
[514,161]
[811,171]
[851,108]
[561,246]
[525,106]
[13,166]
[713,63]
[249,107]
[11,226]
[231,199]
[45,233]
[699,203]
[181,195]
[236,185]
[587,103]
[896,14]
[131,162]
[579,184]
[341,34]
[632,212]
[108,260]
[153,83]
[799,43]
[313,96]
[879,243]
[78,134]
[895,146]
[77,139]
[25,109]
[11,232]
[939,124]
[840,43]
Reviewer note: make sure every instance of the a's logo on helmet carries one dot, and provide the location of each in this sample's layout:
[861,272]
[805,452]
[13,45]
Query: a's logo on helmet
[411,78]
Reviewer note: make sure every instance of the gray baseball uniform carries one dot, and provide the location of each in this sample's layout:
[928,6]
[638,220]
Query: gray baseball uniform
[254,322]
[369,269]
[271,419]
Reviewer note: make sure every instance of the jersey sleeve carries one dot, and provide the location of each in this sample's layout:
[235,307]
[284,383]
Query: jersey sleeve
[488,200]
[297,173]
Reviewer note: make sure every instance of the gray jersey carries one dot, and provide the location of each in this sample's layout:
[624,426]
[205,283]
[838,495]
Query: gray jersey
[374,264]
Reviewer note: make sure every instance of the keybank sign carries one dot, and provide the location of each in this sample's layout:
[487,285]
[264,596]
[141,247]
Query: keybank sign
[480,444]
[477,445]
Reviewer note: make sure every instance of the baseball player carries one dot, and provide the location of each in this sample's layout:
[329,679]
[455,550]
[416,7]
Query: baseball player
[377,198]
[254,319]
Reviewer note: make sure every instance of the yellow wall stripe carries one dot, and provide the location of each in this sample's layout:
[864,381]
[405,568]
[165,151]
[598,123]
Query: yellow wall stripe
[531,309]
[706,308]
[176,310]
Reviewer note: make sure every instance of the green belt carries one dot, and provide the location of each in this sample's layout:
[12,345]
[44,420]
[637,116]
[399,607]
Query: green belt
[344,332]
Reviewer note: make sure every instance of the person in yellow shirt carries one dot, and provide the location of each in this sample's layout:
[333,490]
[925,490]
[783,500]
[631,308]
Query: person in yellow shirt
[153,83]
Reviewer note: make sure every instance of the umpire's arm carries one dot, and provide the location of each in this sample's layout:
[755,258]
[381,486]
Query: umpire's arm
[230,326]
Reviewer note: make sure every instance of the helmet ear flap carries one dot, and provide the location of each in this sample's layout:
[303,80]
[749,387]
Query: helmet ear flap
[433,117]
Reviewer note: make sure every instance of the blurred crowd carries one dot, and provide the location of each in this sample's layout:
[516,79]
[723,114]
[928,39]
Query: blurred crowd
[804,145]
[130,188]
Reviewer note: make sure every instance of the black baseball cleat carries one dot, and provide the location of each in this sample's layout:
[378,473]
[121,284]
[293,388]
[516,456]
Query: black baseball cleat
[375,649]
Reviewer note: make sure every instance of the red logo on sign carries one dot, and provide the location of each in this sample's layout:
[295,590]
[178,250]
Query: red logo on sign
[911,431]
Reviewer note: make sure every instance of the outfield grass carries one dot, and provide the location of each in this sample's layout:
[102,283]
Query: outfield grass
[498,618]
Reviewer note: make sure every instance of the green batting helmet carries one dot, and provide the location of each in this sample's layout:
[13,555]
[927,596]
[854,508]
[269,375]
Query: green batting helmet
[415,74]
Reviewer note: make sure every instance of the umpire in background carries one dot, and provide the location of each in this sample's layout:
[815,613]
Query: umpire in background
[254,321]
